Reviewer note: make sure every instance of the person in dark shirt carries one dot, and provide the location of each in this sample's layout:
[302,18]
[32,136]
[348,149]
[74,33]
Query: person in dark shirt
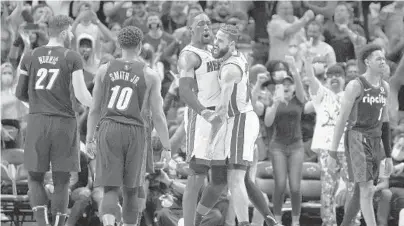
[51,78]
[126,92]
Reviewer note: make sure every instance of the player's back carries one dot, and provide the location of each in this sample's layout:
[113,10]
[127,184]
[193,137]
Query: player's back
[124,88]
[206,76]
[50,81]
[240,101]
[366,115]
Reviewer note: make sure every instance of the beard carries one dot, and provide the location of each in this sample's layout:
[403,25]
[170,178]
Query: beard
[219,53]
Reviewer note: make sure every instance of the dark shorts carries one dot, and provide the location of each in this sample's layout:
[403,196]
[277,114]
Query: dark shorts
[54,140]
[121,158]
[363,156]
[198,166]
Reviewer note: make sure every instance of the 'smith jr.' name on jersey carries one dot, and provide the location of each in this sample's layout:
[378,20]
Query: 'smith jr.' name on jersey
[123,75]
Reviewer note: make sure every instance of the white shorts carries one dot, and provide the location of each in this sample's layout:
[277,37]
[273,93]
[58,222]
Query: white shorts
[236,140]
[197,131]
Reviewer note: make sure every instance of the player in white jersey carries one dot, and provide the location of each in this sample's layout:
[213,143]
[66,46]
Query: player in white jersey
[200,90]
[235,127]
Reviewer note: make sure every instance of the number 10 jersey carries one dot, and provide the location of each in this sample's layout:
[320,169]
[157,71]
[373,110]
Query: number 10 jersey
[124,89]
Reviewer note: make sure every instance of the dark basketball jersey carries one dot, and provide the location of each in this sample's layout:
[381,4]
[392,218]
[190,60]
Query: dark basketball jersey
[50,80]
[124,90]
[367,113]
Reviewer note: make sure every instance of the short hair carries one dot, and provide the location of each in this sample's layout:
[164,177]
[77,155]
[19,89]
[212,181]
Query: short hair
[130,37]
[59,23]
[231,30]
[195,6]
[192,19]
[367,51]
[350,63]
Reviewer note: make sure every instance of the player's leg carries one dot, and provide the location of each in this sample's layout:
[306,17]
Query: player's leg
[197,134]
[212,192]
[110,168]
[255,194]
[36,162]
[383,207]
[65,158]
[242,133]
[134,171]
[194,184]
[295,166]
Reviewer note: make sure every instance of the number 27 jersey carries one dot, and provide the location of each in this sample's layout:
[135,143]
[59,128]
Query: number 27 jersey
[50,88]
[124,89]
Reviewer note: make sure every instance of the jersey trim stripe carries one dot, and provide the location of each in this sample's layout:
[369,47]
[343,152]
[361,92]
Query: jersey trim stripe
[237,138]
[233,109]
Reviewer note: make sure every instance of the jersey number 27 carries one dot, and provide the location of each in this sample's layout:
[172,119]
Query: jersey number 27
[123,95]
[43,74]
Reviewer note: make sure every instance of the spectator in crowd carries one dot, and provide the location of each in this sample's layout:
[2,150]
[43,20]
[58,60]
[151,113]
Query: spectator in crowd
[287,153]
[343,35]
[117,11]
[221,11]
[176,17]
[156,36]
[286,32]
[352,70]
[322,52]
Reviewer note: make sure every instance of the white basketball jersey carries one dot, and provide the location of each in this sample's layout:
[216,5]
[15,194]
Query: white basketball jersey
[240,101]
[207,77]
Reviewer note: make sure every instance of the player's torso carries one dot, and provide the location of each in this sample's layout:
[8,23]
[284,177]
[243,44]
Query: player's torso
[366,115]
[124,92]
[206,75]
[50,87]
[240,101]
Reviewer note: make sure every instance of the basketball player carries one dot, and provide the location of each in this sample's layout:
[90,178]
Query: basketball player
[364,108]
[124,91]
[200,90]
[51,78]
[238,129]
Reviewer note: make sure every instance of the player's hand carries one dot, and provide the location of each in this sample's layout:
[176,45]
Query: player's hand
[208,115]
[308,15]
[91,149]
[165,155]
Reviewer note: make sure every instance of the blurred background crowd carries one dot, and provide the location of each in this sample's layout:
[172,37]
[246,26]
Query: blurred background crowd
[333,31]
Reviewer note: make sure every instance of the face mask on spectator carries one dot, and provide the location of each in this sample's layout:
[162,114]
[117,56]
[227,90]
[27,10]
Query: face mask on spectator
[7,77]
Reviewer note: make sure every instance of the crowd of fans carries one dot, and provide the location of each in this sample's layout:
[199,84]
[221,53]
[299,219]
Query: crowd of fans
[332,31]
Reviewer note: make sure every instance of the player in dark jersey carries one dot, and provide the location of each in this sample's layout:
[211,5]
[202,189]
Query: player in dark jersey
[125,92]
[51,78]
[364,112]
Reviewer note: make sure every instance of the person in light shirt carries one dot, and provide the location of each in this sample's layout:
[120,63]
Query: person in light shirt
[325,101]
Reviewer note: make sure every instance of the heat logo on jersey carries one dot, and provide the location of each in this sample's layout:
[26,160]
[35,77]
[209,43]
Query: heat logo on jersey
[213,65]
[381,99]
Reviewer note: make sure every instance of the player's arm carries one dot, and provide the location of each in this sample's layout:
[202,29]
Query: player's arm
[21,91]
[229,74]
[386,136]
[156,104]
[352,91]
[95,108]
[187,63]
[79,85]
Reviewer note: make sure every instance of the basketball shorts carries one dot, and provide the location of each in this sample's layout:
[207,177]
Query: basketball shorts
[235,140]
[197,131]
[121,157]
[51,140]
[363,156]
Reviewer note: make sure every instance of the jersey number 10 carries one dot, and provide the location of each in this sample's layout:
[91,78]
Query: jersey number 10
[123,95]
[42,74]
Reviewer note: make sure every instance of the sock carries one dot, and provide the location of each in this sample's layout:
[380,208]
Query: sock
[258,200]
[41,215]
[59,219]
[108,220]
[244,223]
